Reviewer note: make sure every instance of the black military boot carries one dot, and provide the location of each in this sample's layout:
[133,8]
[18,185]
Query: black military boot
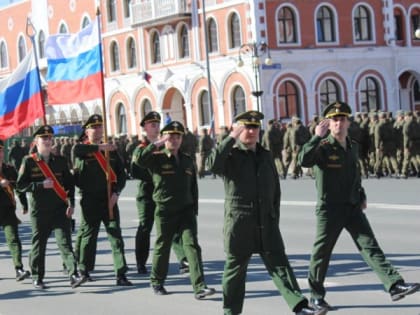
[123,281]
[22,274]
[401,289]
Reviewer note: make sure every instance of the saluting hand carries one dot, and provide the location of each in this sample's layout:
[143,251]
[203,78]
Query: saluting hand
[322,128]
[161,141]
[236,130]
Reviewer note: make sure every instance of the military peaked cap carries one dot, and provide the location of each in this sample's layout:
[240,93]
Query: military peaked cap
[173,127]
[44,130]
[150,117]
[251,117]
[94,120]
[337,109]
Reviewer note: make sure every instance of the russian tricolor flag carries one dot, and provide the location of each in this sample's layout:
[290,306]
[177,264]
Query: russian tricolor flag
[20,98]
[74,66]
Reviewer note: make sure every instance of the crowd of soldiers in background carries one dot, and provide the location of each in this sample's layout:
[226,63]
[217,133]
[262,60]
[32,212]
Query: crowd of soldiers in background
[388,146]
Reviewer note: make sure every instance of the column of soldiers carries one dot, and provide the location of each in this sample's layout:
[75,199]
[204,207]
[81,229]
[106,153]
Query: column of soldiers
[386,147]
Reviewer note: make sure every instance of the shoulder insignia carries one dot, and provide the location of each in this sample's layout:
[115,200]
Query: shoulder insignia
[166,166]
[324,141]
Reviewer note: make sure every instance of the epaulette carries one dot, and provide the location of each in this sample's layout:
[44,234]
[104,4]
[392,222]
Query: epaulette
[158,152]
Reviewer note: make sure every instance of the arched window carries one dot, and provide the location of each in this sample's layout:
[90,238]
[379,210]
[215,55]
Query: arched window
[41,44]
[204,108]
[112,11]
[369,94]
[127,8]
[146,107]
[415,22]
[21,48]
[234,31]
[184,47]
[329,92]
[115,57]
[398,22]
[3,55]
[325,25]
[63,29]
[85,22]
[212,35]
[238,101]
[362,24]
[121,119]
[155,46]
[131,53]
[288,100]
[286,26]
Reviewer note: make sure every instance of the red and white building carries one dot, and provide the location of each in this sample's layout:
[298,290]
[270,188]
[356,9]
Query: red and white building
[362,52]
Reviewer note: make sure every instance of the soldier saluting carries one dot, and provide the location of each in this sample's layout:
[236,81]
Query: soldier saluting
[252,214]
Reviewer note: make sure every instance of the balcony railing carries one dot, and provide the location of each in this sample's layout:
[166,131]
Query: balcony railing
[155,11]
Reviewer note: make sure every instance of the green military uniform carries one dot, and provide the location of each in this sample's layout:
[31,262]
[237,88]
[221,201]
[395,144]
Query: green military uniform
[175,194]
[205,146]
[92,182]
[298,136]
[48,209]
[252,213]
[8,219]
[399,139]
[411,135]
[339,206]
[146,206]
[272,140]
[386,149]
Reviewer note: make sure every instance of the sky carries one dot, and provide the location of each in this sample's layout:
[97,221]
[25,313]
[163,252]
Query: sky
[3,3]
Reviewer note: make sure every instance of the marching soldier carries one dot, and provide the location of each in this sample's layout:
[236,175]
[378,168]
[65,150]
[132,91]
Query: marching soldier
[175,194]
[252,211]
[8,219]
[341,203]
[273,141]
[92,172]
[51,186]
[411,134]
[205,146]
[145,204]
[386,148]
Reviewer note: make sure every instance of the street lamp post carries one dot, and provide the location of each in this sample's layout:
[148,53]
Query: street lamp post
[256,51]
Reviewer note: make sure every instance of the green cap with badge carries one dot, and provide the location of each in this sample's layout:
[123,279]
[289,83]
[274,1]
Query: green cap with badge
[337,108]
[94,120]
[45,130]
[251,117]
[173,127]
[150,117]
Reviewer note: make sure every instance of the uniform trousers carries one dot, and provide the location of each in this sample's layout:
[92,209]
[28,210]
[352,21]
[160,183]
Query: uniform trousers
[14,244]
[42,226]
[277,265]
[146,214]
[330,222]
[89,237]
[183,223]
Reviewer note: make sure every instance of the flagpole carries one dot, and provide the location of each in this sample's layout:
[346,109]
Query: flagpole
[105,125]
[32,38]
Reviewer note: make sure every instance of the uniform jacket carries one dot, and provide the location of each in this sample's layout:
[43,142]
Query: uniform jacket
[252,197]
[145,186]
[30,179]
[175,183]
[337,171]
[7,207]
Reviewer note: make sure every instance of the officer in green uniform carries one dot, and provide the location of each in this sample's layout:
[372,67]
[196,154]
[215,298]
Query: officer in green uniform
[90,171]
[51,186]
[252,214]
[145,203]
[340,205]
[8,219]
[386,149]
[175,194]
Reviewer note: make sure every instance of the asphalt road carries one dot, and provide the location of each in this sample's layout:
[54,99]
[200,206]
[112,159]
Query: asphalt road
[393,210]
